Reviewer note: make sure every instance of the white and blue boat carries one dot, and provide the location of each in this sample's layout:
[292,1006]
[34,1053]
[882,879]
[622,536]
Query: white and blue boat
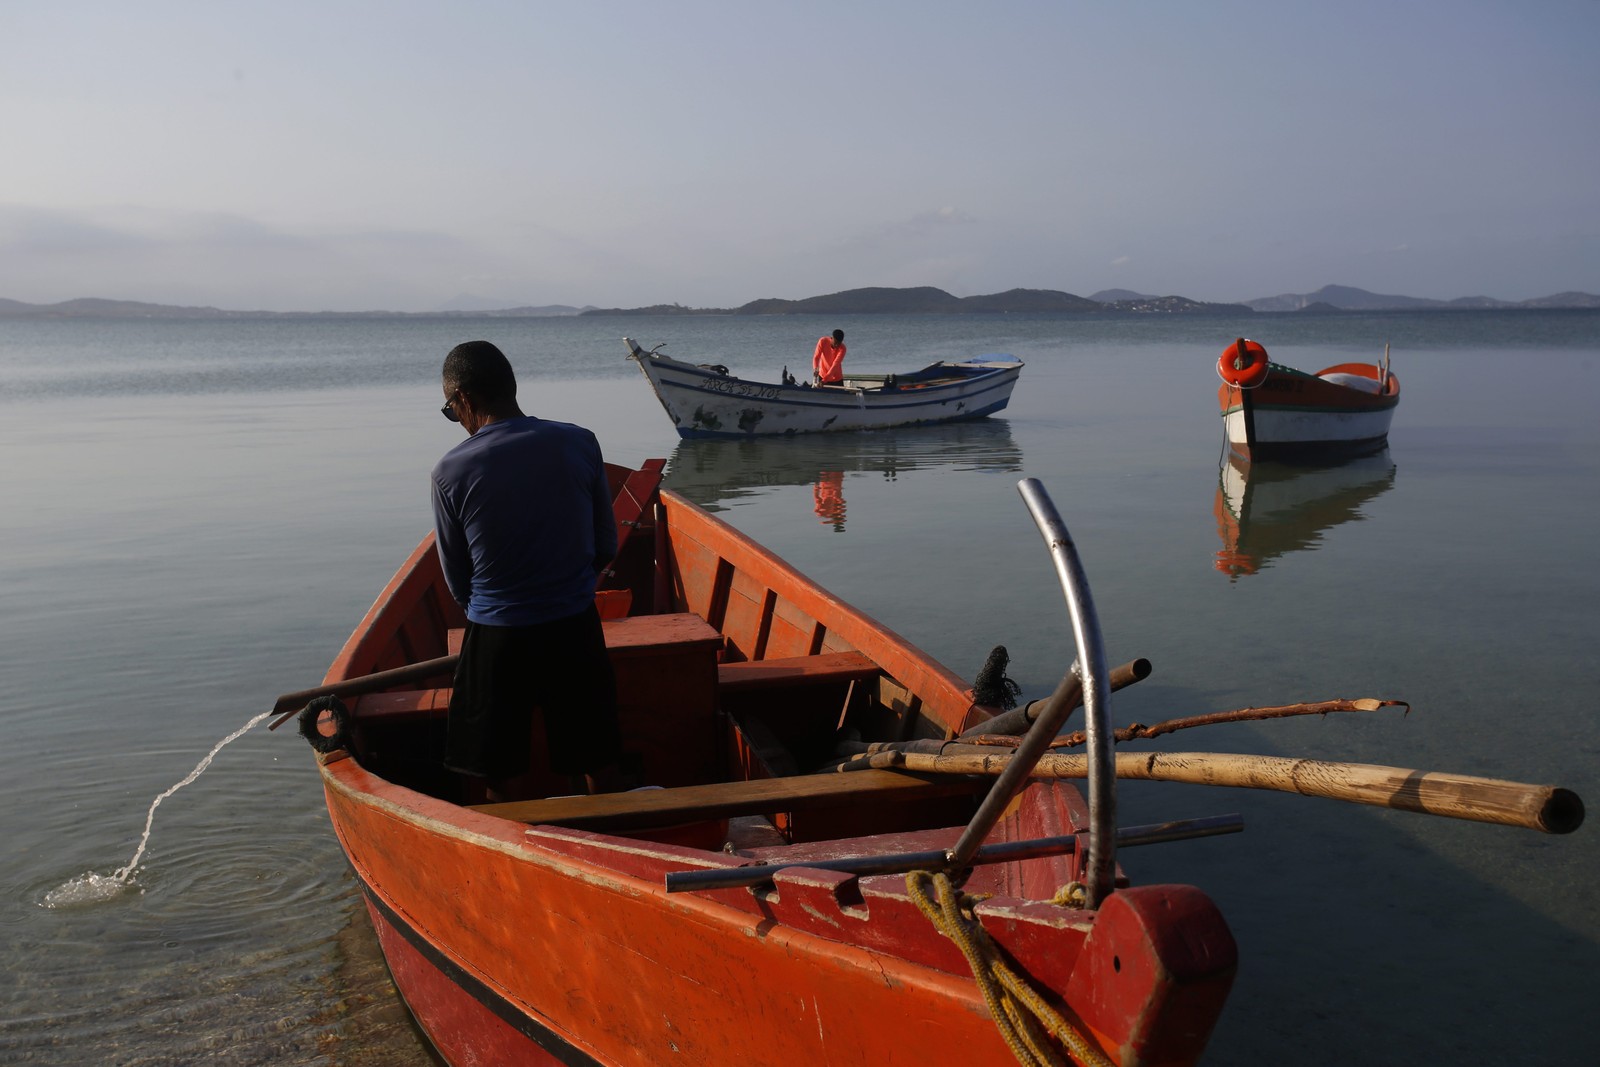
[704,400]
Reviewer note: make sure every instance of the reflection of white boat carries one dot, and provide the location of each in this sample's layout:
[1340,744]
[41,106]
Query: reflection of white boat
[707,401]
[1276,412]
[713,473]
[1266,510]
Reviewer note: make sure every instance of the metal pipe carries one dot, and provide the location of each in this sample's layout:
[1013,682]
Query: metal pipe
[1015,776]
[1000,852]
[1017,720]
[1091,665]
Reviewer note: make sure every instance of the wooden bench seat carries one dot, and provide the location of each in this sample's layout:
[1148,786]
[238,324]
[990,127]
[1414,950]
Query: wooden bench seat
[672,630]
[795,670]
[644,808]
[401,706]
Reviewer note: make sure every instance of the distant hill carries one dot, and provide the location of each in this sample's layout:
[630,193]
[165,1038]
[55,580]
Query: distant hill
[543,311]
[1349,298]
[926,300]
[922,300]
[919,300]
[1171,305]
[1128,300]
[478,305]
[1563,300]
[874,300]
[656,309]
[1013,300]
[95,308]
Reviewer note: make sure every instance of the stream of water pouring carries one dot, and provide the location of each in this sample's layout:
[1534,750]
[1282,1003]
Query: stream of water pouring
[92,886]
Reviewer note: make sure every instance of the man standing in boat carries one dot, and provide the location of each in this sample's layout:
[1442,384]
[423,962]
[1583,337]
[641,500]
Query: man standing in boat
[522,511]
[827,362]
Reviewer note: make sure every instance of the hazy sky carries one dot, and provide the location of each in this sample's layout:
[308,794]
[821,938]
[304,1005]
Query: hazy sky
[340,155]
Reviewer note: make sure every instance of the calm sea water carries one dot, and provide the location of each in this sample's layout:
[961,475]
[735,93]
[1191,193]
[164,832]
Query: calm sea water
[194,515]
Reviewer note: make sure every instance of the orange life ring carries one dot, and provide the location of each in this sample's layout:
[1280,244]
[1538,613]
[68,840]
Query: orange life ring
[1243,364]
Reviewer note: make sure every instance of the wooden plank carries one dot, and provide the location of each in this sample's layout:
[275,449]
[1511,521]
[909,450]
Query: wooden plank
[793,631]
[408,704]
[796,670]
[944,696]
[664,807]
[641,631]
[656,631]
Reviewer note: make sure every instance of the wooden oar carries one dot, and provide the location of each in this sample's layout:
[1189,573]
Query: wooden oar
[1550,809]
[289,705]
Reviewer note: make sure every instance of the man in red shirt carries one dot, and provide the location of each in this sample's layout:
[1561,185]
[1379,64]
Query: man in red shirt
[827,362]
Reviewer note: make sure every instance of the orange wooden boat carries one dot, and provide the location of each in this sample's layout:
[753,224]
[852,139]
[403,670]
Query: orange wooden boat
[544,931]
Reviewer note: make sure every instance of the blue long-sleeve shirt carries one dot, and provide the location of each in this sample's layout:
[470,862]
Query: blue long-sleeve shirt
[524,522]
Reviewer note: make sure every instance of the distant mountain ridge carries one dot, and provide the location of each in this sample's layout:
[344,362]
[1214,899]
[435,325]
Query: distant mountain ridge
[926,300]
[1349,298]
[97,308]
[917,300]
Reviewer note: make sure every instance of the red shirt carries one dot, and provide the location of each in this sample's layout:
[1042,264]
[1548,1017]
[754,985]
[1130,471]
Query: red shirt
[828,360]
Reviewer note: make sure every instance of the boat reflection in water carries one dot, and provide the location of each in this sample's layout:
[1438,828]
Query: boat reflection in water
[827,497]
[717,473]
[1266,510]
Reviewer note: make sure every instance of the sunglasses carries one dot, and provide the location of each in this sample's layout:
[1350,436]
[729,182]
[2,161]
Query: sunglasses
[448,411]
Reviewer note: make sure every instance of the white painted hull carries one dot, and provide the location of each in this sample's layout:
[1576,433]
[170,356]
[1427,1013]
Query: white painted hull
[704,402]
[1306,428]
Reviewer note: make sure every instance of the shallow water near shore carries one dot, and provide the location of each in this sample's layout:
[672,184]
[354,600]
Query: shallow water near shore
[196,515]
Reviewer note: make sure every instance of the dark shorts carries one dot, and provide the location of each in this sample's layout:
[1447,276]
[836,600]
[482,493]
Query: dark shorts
[558,670]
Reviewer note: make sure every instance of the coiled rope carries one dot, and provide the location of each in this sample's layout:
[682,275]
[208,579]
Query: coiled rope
[1024,1020]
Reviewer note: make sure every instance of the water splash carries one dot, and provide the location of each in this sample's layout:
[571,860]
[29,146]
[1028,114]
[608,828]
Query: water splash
[91,886]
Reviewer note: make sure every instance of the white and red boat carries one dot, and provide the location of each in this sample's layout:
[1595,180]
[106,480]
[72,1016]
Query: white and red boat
[1276,412]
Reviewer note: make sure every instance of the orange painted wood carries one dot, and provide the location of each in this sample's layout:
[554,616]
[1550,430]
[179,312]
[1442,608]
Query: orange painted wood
[678,630]
[408,704]
[626,975]
[797,670]
[944,696]
[721,800]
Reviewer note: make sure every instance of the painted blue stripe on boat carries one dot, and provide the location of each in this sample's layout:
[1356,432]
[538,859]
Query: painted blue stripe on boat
[528,1027]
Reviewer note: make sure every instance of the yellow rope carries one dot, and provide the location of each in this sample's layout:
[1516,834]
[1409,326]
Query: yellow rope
[1025,1021]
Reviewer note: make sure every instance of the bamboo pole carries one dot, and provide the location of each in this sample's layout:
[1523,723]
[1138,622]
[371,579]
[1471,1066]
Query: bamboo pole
[1550,809]
[1278,711]
[976,742]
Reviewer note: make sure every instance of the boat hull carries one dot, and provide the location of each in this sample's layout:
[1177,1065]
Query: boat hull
[1292,415]
[707,403]
[519,935]
[512,948]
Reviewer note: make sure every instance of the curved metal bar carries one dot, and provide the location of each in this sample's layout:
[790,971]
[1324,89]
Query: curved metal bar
[1091,668]
[958,859]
